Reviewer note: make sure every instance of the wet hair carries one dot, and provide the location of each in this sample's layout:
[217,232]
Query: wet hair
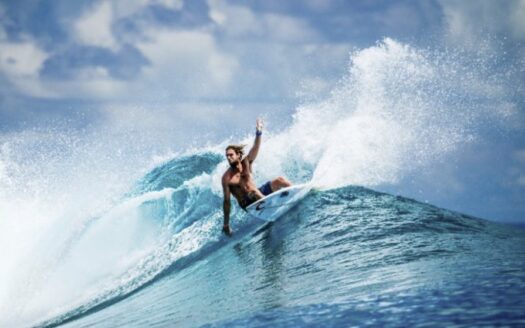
[239,149]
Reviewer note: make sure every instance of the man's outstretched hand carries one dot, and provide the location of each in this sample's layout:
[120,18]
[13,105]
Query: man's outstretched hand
[227,230]
[259,125]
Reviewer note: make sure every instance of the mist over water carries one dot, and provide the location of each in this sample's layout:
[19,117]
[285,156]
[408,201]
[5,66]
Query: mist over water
[82,223]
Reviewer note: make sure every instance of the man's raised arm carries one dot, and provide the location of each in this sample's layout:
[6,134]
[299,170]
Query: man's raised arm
[226,207]
[257,143]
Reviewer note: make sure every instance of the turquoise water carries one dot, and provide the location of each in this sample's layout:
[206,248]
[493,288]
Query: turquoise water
[342,257]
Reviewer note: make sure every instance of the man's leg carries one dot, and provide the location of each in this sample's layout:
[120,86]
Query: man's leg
[279,183]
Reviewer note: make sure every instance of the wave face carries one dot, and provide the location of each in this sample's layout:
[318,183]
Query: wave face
[89,239]
[343,256]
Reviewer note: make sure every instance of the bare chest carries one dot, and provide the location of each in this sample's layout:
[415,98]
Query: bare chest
[235,179]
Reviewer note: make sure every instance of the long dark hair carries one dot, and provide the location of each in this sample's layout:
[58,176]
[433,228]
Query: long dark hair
[239,149]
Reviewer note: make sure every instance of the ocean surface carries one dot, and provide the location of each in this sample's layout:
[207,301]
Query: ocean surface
[342,257]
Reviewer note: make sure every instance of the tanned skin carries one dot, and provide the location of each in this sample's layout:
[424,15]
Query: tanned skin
[238,181]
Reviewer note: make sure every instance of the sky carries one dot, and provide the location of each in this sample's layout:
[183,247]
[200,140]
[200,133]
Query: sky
[205,69]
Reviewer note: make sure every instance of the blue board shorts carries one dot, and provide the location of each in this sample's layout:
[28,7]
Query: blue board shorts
[265,189]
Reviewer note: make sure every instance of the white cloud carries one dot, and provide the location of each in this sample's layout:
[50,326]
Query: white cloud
[283,56]
[94,27]
[193,63]
[288,29]
[21,62]
[218,16]
[517,20]
[21,59]
[234,20]
[469,21]
[182,63]
[91,82]
[188,61]
[241,21]
[172,4]
[125,8]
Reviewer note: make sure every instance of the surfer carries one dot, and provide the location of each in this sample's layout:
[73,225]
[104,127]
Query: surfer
[238,181]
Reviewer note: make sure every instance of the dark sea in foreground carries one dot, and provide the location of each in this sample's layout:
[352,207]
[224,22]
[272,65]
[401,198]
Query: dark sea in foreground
[340,258]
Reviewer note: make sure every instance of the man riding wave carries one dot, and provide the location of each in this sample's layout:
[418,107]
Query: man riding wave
[238,180]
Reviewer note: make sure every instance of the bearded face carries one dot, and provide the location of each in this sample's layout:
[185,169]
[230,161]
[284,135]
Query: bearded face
[232,157]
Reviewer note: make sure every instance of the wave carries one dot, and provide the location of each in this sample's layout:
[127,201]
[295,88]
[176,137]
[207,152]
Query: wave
[173,220]
[104,234]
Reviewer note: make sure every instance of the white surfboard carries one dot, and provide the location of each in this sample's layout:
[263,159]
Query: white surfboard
[271,207]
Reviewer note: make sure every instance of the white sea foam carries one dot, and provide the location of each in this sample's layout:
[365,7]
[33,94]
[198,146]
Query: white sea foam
[397,111]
